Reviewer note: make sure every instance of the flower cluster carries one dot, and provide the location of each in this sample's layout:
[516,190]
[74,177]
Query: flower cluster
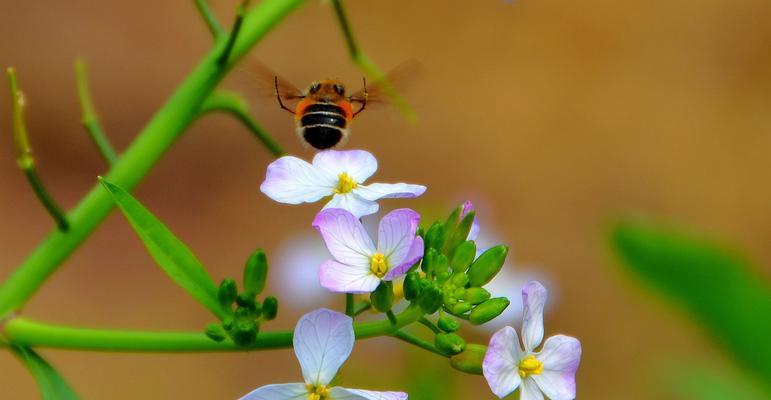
[443,273]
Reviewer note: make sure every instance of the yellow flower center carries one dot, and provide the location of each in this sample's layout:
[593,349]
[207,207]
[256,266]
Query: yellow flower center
[345,184]
[320,392]
[530,366]
[379,265]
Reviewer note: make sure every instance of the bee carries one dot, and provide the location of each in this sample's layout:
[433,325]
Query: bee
[324,112]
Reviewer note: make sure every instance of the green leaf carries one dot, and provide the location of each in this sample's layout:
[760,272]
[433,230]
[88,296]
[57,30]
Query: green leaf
[718,287]
[173,256]
[52,386]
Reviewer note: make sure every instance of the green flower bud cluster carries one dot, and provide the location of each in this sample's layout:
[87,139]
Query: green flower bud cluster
[245,312]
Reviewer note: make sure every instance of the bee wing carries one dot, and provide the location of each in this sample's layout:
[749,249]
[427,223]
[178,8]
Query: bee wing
[268,83]
[395,80]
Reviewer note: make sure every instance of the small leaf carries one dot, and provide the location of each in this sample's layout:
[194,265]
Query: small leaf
[173,256]
[52,386]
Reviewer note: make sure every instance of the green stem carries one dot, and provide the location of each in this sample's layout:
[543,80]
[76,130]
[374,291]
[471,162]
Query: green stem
[152,143]
[235,105]
[404,336]
[25,159]
[391,317]
[240,13]
[430,325]
[349,305]
[361,307]
[20,331]
[211,21]
[90,119]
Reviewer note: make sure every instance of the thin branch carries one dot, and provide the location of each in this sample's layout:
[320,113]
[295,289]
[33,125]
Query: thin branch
[240,13]
[25,159]
[234,104]
[90,118]
[430,325]
[361,307]
[349,305]
[414,340]
[211,21]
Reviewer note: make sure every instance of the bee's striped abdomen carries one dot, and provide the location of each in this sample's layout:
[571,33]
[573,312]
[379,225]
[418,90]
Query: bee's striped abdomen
[323,125]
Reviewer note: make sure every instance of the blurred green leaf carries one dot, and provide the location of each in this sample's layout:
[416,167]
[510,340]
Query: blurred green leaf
[717,286]
[173,256]
[52,386]
[696,379]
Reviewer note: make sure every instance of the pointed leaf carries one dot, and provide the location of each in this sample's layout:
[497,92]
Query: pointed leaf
[52,386]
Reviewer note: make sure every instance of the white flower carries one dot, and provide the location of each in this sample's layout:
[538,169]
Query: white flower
[340,174]
[550,372]
[323,340]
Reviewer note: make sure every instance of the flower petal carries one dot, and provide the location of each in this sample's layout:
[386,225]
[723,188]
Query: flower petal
[415,254]
[530,390]
[474,232]
[533,301]
[396,233]
[359,164]
[343,278]
[560,357]
[378,191]
[293,181]
[323,340]
[345,236]
[353,203]
[284,391]
[501,363]
[339,393]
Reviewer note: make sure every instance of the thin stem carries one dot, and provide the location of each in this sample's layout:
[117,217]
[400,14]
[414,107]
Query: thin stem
[26,160]
[349,305]
[361,307]
[461,316]
[414,340]
[234,104]
[90,119]
[211,21]
[240,12]
[430,325]
[20,331]
[391,316]
[155,139]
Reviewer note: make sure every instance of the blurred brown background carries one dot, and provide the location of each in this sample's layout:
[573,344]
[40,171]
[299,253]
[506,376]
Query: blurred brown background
[551,115]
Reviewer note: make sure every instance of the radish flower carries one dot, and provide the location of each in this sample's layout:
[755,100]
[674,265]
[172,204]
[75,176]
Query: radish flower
[340,174]
[323,340]
[359,265]
[550,372]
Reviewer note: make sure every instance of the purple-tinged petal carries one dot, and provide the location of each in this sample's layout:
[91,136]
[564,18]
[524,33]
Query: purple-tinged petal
[501,363]
[339,393]
[343,278]
[323,340]
[396,234]
[378,191]
[351,202]
[358,164]
[533,301]
[474,232]
[345,237]
[560,357]
[284,391]
[415,254]
[530,390]
[293,181]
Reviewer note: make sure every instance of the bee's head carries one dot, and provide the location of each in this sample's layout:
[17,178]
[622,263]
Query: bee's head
[327,90]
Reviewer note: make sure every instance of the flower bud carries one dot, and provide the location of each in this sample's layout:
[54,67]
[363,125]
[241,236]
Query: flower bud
[448,324]
[382,298]
[228,322]
[463,256]
[429,260]
[460,233]
[442,268]
[226,293]
[488,265]
[216,332]
[256,272]
[244,331]
[460,308]
[435,236]
[245,300]
[470,360]
[460,280]
[269,308]
[449,343]
[411,286]
[488,310]
[430,299]
[476,295]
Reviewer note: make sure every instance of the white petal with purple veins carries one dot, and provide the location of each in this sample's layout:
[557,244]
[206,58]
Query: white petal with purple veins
[560,357]
[285,391]
[293,181]
[353,203]
[415,254]
[530,390]
[378,191]
[396,234]
[338,393]
[501,363]
[345,237]
[323,340]
[359,164]
[343,278]
[533,300]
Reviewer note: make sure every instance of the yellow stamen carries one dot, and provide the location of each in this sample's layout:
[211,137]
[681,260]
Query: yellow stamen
[320,392]
[379,265]
[345,184]
[530,366]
